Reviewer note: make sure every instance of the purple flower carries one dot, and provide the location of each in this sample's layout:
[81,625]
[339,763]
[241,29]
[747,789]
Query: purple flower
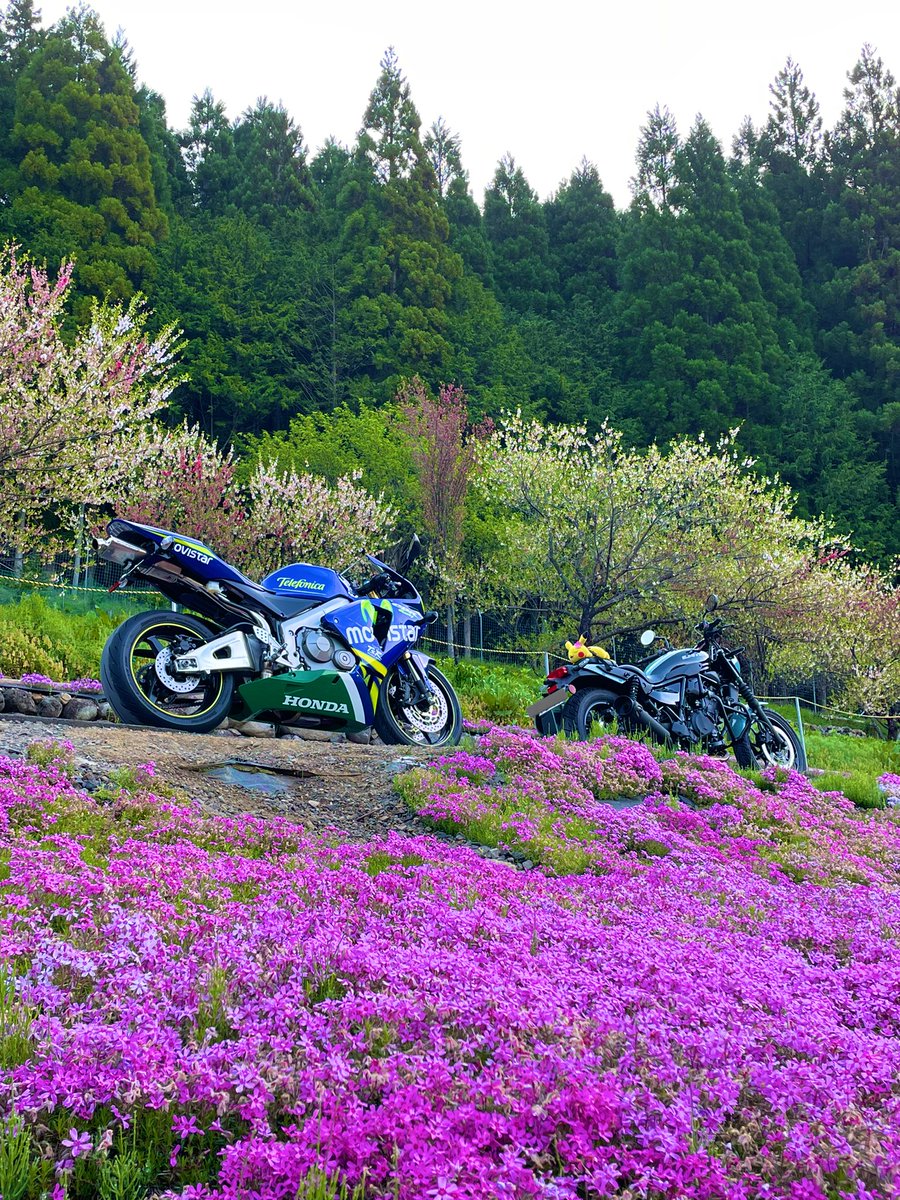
[78,1144]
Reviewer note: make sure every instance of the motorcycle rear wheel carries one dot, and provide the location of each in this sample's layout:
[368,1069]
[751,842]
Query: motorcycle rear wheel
[438,723]
[143,689]
[588,711]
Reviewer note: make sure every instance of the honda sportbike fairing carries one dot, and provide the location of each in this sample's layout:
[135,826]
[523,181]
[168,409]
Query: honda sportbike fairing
[304,646]
[685,698]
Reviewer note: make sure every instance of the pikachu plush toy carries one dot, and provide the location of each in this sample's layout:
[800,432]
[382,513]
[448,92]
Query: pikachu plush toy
[579,650]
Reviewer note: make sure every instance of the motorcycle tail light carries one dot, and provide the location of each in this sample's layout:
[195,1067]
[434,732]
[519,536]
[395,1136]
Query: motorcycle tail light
[559,673]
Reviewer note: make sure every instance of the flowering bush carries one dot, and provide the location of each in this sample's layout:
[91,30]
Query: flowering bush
[228,1008]
[71,685]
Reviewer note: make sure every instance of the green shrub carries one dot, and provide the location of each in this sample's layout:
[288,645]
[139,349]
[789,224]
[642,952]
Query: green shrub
[492,691]
[38,636]
[23,652]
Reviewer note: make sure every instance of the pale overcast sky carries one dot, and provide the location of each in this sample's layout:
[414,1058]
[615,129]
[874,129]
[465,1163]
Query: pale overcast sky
[548,82]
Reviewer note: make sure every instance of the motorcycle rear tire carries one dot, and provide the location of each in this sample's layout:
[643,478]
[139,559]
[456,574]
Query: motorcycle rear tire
[743,752]
[131,689]
[579,712]
[793,758]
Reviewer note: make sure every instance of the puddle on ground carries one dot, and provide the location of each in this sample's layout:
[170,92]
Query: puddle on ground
[250,775]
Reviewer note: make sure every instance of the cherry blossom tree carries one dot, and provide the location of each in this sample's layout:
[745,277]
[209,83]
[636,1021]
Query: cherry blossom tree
[68,407]
[444,452]
[615,537]
[179,479]
[298,516]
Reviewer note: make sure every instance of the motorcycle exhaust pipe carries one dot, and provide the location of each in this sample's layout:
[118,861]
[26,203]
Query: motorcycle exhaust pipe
[642,717]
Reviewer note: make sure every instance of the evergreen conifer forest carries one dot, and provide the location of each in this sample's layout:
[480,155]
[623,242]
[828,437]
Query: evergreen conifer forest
[750,285]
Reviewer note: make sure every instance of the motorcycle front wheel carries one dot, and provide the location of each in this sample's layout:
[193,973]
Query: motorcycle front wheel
[142,686]
[435,723]
[751,750]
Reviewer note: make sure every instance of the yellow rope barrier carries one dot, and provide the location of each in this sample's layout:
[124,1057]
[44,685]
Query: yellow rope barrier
[827,708]
[64,587]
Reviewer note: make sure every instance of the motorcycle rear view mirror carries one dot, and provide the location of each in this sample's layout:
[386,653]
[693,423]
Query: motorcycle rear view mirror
[712,602]
[648,637]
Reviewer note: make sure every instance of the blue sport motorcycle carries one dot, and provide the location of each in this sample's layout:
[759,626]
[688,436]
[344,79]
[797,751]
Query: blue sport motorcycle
[304,646]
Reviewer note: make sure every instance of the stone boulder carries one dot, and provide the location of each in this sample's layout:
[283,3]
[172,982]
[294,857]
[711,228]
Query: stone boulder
[80,709]
[49,706]
[18,700]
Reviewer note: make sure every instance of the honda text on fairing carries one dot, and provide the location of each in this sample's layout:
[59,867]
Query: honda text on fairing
[690,698]
[304,646]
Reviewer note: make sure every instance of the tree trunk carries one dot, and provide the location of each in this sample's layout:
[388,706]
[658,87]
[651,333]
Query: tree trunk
[19,552]
[79,542]
[467,634]
[451,631]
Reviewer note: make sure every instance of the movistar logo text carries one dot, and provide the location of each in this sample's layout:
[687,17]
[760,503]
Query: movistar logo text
[190,552]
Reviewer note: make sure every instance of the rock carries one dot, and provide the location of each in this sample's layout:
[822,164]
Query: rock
[64,698]
[311,735]
[103,710]
[2,702]
[362,737]
[527,865]
[19,701]
[397,765]
[257,729]
[49,706]
[79,709]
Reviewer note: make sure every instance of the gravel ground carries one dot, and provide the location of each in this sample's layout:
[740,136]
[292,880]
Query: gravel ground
[320,784]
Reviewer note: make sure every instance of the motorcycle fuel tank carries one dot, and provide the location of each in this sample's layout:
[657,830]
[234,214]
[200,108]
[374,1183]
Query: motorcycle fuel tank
[676,663]
[307,582]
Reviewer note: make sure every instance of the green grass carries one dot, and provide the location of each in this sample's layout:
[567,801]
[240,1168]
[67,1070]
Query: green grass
[861,789]
[859,755]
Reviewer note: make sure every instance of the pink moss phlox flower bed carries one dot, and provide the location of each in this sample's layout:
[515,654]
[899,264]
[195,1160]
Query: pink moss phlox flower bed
[71,685]
[710,1010]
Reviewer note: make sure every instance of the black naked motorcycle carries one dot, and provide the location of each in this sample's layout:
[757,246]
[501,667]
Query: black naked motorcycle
[689,699]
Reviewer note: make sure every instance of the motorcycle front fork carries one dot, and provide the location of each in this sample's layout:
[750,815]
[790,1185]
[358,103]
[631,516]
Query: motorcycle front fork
[413,682]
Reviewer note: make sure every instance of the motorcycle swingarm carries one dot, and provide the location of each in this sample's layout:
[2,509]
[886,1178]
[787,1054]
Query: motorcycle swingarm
[233,651]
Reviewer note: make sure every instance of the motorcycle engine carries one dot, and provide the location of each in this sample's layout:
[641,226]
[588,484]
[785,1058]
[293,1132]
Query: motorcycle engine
[318,648]
[702,720]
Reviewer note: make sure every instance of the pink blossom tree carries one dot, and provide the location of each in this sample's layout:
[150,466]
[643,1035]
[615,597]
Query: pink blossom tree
[444,452]
[68,408]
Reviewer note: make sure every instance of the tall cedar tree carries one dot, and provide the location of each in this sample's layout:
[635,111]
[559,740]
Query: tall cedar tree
[396,268]
[84,167]
[516,228]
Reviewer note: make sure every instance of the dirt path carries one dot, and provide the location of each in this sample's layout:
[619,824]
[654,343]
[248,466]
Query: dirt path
[317,783]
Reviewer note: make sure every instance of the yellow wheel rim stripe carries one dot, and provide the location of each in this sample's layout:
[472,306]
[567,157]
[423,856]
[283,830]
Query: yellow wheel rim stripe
[165,711]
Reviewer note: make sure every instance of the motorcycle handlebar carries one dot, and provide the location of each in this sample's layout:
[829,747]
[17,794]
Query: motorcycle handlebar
[380,582]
